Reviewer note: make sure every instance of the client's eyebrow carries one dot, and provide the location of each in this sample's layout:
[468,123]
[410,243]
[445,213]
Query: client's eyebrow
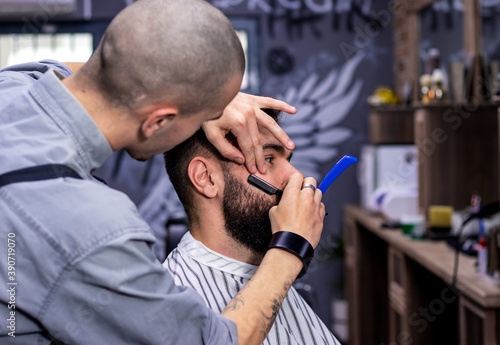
[280,149]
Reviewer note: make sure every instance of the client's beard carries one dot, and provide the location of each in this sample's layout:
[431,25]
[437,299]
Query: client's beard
[246,214]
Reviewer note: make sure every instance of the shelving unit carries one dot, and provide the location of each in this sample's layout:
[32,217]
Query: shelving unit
[458,143]
[458,148]
[399,289]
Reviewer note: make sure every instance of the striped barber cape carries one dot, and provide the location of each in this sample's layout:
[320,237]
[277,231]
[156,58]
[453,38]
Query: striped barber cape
[218,278]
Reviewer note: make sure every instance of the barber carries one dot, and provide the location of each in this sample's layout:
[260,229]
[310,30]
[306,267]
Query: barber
[80,268]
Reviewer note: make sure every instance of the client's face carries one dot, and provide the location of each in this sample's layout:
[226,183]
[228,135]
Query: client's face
[246,208]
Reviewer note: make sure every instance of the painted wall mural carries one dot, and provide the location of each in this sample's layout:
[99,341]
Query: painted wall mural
[299,16]
[322,102]
[271,6]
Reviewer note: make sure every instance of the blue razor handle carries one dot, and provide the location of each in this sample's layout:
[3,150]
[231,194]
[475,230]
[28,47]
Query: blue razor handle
[338,169]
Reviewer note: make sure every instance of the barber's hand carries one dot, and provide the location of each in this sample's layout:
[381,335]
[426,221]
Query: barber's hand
[242,117]
[300,210]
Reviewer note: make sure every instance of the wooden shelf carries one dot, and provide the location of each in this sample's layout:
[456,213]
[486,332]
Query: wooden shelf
[408,276]
[435,256]
[391,125]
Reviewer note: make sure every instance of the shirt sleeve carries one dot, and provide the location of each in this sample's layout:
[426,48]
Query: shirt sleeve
[122,295]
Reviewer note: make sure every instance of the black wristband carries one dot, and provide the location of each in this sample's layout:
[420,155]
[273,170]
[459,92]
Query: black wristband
[294,244]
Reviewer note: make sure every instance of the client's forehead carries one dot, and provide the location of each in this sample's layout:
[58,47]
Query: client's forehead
[270,143]
[267,138]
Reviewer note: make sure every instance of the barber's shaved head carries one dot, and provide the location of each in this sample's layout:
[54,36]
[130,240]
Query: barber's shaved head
[176,51]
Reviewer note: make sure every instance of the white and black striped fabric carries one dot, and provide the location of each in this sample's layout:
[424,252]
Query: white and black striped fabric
[218,278]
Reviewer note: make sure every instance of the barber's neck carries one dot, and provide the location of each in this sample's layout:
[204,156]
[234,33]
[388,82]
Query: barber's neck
[117,126]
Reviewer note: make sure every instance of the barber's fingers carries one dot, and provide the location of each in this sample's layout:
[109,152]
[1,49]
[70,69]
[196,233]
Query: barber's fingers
[294,184]
[272,103]
[316,194]
[271,125]
[238,118]
[249,141]
[215,132]
[309,185]
[299,211]
[242,117]
[248,134]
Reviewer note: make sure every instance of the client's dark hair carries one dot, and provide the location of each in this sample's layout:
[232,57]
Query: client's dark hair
[177,161]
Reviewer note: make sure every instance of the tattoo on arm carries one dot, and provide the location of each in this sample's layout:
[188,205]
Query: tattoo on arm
[235,303]
[275,308]
[268,320]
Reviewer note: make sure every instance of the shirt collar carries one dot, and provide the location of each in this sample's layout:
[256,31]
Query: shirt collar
[205,256]
[72,118]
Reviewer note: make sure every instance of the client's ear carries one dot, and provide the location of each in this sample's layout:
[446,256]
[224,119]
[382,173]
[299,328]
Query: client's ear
[204,176]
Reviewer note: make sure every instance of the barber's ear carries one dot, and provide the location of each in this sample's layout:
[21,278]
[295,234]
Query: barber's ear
[202,175]
[156,119]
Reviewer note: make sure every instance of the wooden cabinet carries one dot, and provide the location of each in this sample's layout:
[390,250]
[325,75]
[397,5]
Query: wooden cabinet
[366,286]
[398,305]
[458,154]
[391,125]
[399,291]
[482,323]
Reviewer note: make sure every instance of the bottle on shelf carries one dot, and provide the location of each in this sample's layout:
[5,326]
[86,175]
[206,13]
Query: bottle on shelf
[433,83]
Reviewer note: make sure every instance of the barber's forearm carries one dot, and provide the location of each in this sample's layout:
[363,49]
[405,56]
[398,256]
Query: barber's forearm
[74,66]
[255,307]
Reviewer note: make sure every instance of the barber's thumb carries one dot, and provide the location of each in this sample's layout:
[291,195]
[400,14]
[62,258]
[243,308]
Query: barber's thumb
[273,210]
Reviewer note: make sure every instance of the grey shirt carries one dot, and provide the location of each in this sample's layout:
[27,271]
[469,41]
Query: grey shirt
[80,267]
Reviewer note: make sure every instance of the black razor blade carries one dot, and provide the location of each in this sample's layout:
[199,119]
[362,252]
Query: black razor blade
[263,185]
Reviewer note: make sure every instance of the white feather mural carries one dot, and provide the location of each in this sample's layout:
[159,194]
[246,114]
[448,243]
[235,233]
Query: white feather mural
[322,103]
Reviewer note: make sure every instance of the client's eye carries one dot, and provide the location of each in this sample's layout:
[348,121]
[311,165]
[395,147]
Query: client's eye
[269,159]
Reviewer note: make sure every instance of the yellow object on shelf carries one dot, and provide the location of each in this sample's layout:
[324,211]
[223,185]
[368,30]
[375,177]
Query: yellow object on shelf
[440,216]
[384,95]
